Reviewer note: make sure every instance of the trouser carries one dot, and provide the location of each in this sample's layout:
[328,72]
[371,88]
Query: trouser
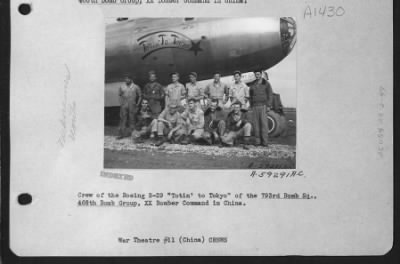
[260,123]
[230,137]
[163,130]
[127,116]
[218,128]
[196,133]
[144,130]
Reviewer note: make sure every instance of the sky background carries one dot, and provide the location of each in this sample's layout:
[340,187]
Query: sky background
[283,79]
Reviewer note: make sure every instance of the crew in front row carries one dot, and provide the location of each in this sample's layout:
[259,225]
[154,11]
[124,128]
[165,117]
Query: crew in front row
[183,120]
[193,126]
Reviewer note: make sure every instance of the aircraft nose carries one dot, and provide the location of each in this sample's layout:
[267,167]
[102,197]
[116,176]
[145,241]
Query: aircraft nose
[288,34]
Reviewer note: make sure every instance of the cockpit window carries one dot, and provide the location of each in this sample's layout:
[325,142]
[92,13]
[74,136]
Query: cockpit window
[288,34]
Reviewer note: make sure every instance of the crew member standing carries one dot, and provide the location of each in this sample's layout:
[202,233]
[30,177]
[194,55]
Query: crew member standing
[239,90]
[260,101]
[217,90]
[175,92]
[129,96]
[194,90]
[154,93]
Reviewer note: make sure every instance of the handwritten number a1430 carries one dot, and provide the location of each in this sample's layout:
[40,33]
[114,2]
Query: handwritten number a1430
[325,11]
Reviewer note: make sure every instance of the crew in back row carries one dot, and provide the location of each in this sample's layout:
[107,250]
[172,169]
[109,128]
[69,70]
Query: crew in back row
[193,99]
[178,94]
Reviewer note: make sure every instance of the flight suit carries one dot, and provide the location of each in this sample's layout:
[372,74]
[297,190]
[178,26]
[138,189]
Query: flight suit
[260,99]
[129,96]
[154,93]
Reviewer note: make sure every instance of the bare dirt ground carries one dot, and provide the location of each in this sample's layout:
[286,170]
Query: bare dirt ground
[124,153]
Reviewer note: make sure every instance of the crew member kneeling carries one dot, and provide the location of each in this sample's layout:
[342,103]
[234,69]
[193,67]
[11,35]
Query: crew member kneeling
[238,126]
[214,123]
[194,122]
[169,125]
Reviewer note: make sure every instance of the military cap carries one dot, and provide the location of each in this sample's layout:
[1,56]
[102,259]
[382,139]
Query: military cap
[236,102]
[127,75]
[192,99]
[172,73]
[216,72]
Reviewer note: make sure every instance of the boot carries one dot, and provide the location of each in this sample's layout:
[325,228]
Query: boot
[152,137]
[185,140]
[207,138]
[138,140]
[178,139]
[122,134]
[224,143]
[246,143]
[216,138]
[160,141]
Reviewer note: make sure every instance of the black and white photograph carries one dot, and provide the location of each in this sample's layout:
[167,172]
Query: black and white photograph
[200,93]
[173,128]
